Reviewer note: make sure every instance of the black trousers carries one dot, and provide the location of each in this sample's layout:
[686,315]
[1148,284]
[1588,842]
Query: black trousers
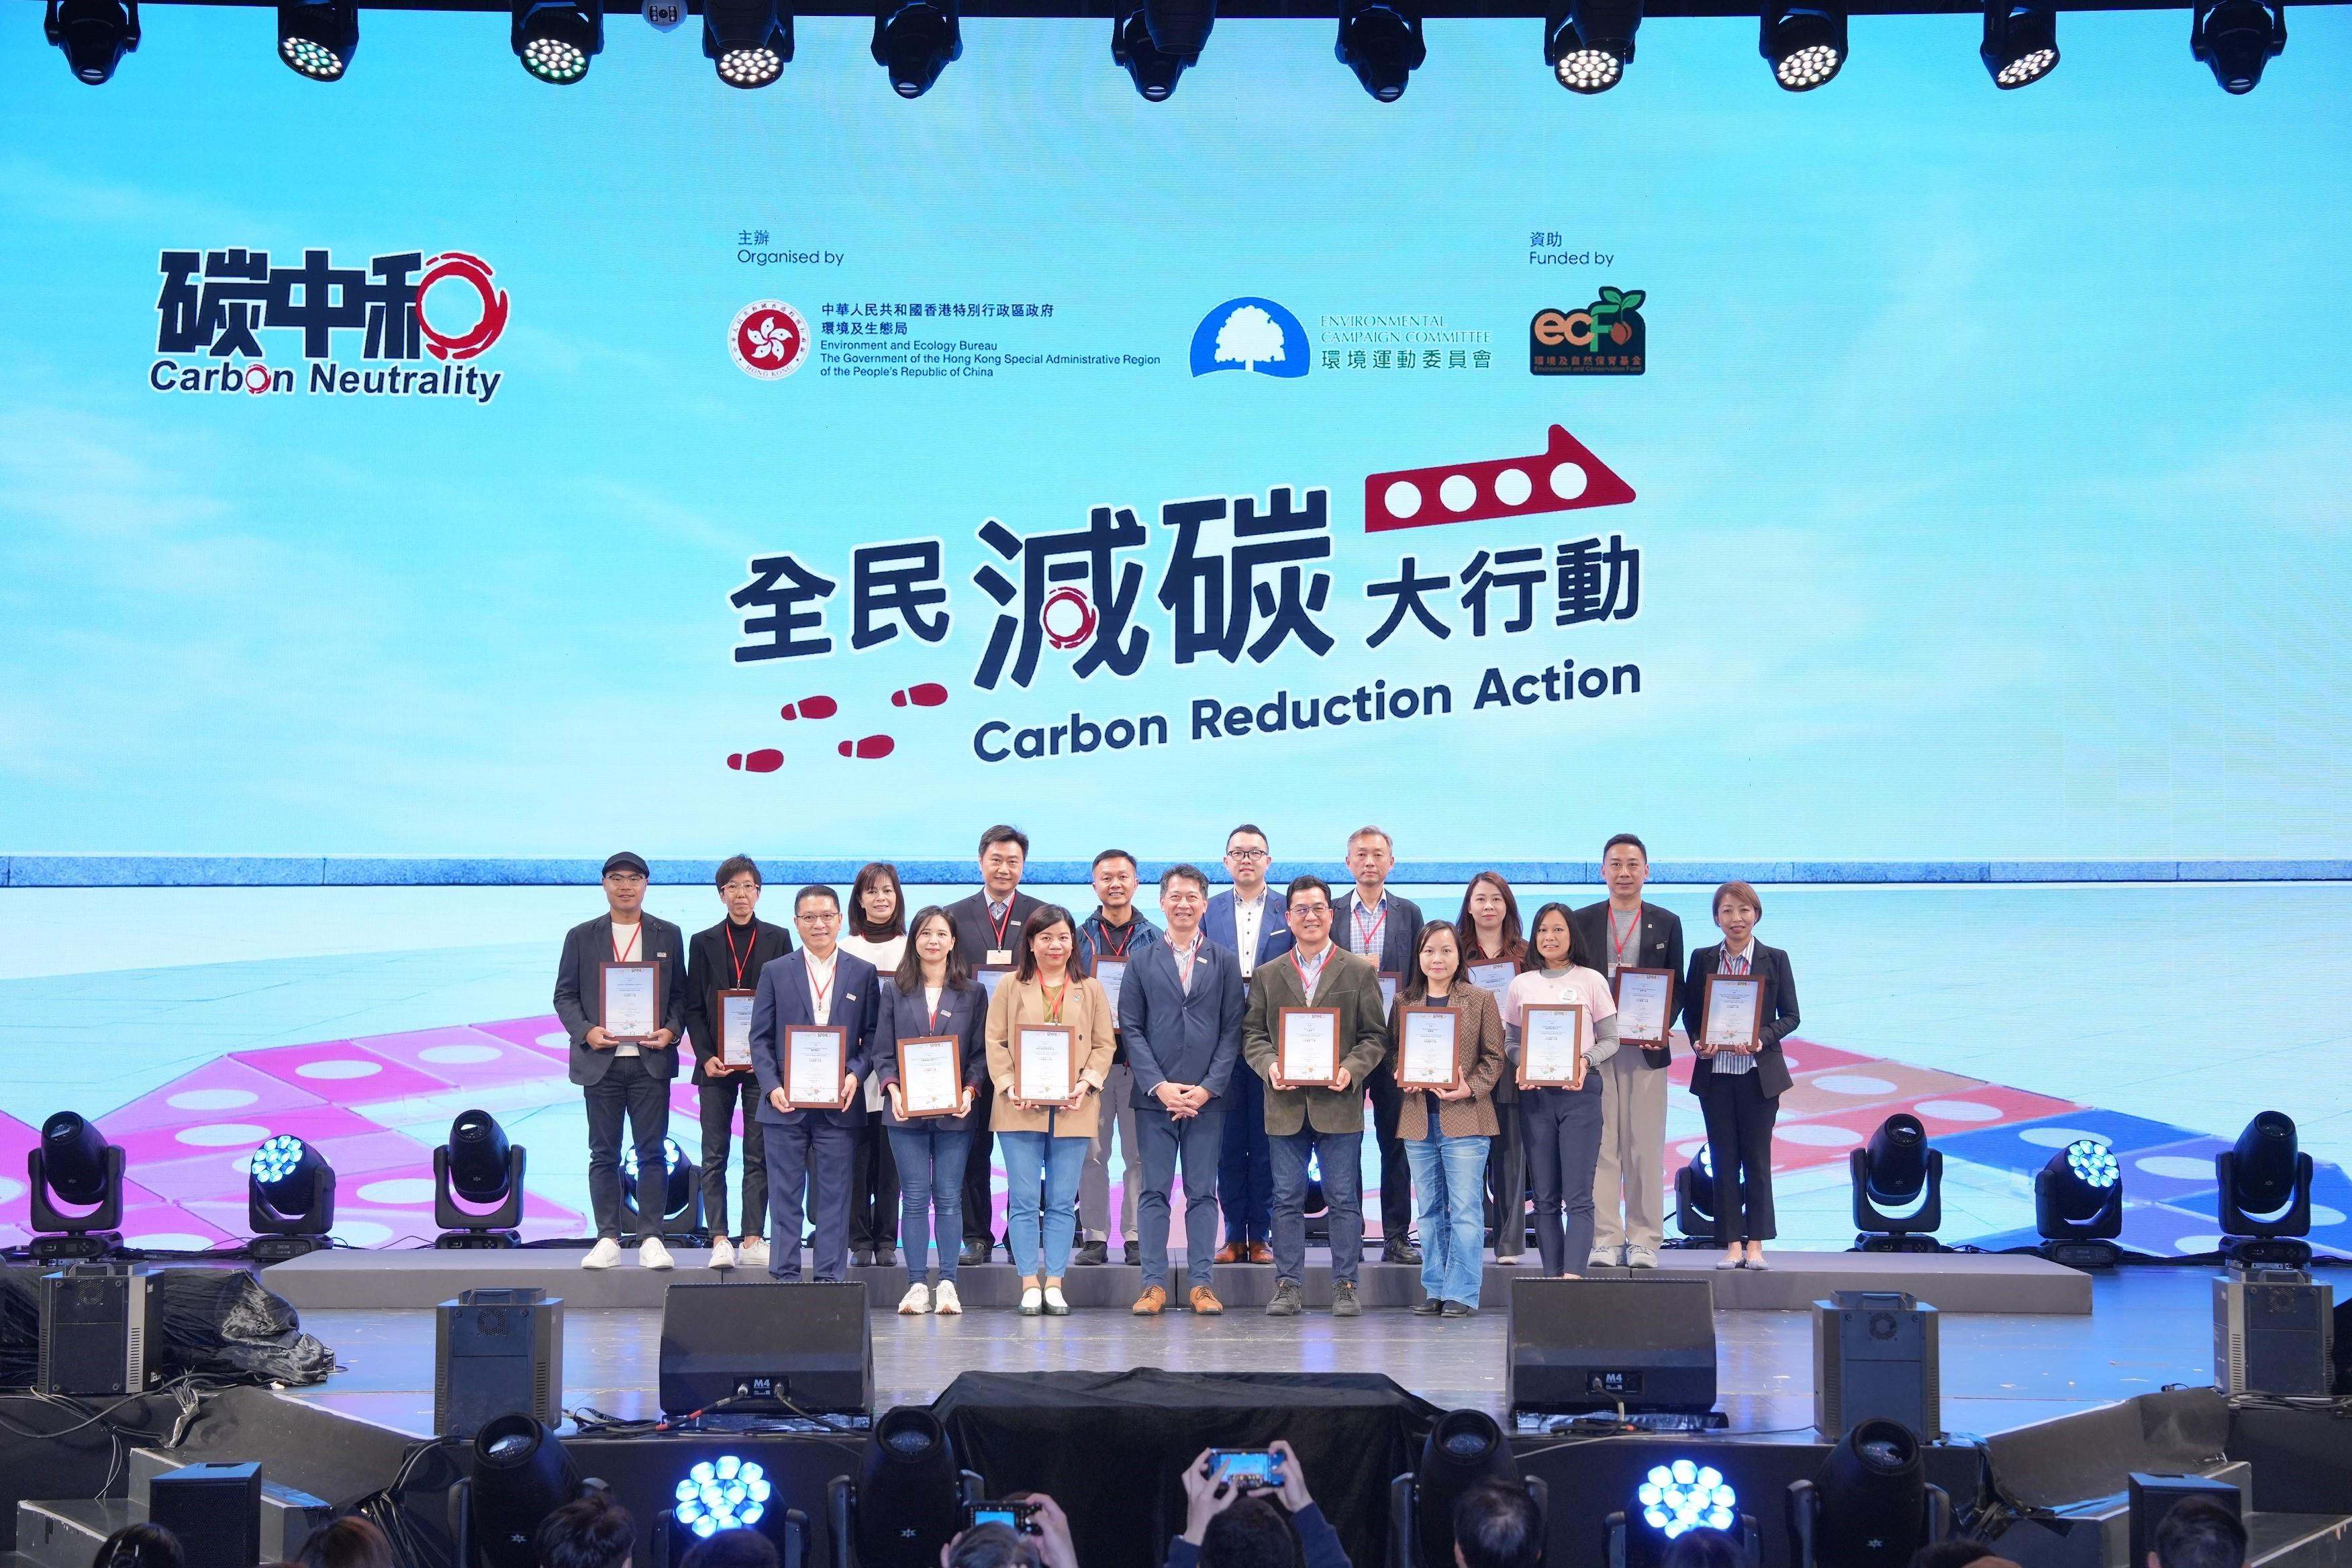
[1739,1117]
[1396,1171]
[627,1088]
[979,1222]
[1507,1180]
[719,1098]
[873,1189]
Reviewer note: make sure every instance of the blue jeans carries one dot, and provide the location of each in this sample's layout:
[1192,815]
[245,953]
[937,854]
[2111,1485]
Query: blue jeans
[1199,1140]
[1060,1162]
[1449,1175]
[930,1177]
[1339,1161]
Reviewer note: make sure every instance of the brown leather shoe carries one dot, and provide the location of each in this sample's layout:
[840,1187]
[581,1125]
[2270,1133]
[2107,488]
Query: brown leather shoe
[1204,1301]
[1151,1303]
[1233,1252]
[1259,1252]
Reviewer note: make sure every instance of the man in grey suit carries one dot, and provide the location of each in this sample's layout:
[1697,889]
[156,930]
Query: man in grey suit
[629,1077]
[1327,1123]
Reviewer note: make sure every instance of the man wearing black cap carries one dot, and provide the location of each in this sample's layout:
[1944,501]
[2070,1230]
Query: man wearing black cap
[630,1076]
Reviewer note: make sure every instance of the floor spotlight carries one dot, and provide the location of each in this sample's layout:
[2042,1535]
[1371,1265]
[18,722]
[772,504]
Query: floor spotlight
[555,40]
[907,1502]
[1695,1196]
[317,40]
[724,1493]
[1381,42]
[1465,1448]
[521,1474]
[2266,1191]
[1671,1500]
[748,41]
[1870,1506]
[2020,43]
[2236,37]
[1805,43]
[1155,69]
[290,1199]
[1590,44]
[2078,1205]
[477,1167]
[1898,1188]
[915,42]
[681,1193]
[73,1163]
[94,34]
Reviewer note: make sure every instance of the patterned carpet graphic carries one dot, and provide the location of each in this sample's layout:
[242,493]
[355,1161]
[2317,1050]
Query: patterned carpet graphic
[376,1105]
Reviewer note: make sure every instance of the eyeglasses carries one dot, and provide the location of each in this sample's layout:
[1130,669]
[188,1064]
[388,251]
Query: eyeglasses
[1310,911]
[1248,855]
[817,917]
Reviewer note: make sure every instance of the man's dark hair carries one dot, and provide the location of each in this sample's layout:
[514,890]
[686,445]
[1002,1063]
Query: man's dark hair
[353,1541]
[1617,838]
[994,1546]
[815,891]
[1953,1553]
[1004,833]
[1190,873]
[735,866]
[1301,884]
[2199,1532]
[1704,1549]
[1250,827]
[731,1548]
[1113,855]
[1497,1526]
[1251,1533]
[593,1532]
[141,1545]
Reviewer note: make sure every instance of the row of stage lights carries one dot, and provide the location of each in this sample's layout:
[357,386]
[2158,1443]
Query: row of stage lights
[1588,44]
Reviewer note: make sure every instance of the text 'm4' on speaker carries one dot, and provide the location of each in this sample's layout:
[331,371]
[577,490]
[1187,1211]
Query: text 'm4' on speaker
[1644,1342]
[766,1349]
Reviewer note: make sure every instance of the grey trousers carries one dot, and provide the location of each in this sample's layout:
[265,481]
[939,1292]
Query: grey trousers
[1563,1129]
[1629,1183]
[1094,1182]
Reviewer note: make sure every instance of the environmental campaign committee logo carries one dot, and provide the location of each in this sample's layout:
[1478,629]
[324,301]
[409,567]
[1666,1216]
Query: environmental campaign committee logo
[216,306]
[1250,335]
[768,340]
[1607,337]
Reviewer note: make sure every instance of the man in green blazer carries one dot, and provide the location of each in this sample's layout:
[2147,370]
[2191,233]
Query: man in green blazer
[1327,1123]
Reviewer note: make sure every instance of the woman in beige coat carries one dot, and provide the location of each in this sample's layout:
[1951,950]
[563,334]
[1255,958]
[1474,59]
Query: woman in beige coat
[1046,1139]
[1448,1132]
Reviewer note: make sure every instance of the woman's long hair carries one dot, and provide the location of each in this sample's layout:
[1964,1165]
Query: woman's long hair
[909,976]
[1045,917]
[1514,946]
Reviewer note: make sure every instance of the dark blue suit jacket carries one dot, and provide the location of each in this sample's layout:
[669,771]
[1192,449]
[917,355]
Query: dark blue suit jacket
[1180,1036]
[1274,938]
[964,1014]
[1769,965]
[784,1000]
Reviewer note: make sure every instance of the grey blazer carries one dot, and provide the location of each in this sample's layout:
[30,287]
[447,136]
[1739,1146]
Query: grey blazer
[579,993]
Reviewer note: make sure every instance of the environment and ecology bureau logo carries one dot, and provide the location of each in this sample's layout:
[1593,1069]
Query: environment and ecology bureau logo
[1607,337]
[215,306]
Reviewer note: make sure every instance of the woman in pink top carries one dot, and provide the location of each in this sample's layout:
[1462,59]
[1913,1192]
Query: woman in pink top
[1562,1126]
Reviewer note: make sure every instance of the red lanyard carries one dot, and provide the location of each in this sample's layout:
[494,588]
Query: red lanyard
[748,949]
[934,1024]
[1364,937]
[1129,936]
[819,992]
[620,954]
[998,926]
[1306,984]
[1617,942]
[1738,965]
[1053,1000]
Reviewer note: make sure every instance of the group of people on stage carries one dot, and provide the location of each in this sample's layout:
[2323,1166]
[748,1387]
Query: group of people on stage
[1174,1058]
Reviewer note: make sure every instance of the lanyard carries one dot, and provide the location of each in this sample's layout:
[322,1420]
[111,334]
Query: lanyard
[998,926]
[1305,985]
[1126,936]
[820,990]
[1185,959]
[1738,965]
[1364,934]
[1053,1000]
[620,954]
[748,949]
[1617,943]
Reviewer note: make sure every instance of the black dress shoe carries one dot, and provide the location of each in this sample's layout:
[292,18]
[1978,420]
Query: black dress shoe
[1428,1307]
[973,1253]
[1460,1309]
[1092,1254]
[859,1257]
[883,1256]
[1401,1252]
[1134,1254]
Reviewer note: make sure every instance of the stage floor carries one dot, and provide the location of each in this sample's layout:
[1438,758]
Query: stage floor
[2147,1328]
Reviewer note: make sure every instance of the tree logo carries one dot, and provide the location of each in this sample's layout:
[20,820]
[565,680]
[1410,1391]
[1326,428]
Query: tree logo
[1607,337]
[768,340]
[1250,335]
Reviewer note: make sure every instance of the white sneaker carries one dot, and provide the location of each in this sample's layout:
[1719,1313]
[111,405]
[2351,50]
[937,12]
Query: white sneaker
[603,1255]
[1602,1257]
[652,1254]
[1641,1258]
[945,1301]
[723,1253]
[754,1253]
[917,1301]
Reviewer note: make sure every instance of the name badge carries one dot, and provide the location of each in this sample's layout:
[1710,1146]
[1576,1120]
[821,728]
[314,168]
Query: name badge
[999,958]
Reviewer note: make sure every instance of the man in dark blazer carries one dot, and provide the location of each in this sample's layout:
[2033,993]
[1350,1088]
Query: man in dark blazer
[1246,1174]
[1622,932]
[1327,1123]
[1740,1096]
[622,1078]
[1373,923]
[988,936]
[823,986]
[1179,1013]
[729,957]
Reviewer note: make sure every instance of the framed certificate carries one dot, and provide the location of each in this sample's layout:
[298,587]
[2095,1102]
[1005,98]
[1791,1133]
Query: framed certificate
[930,1075]
[1493,978]
[735,1028]
[1645,1006]
[1044,1064]
[1389,979]
[1306,1048]
[991,975]
[816,1059]
[1551,1045]
[1111,973]
[1733,1017]
[631,1003]
[1426,1056]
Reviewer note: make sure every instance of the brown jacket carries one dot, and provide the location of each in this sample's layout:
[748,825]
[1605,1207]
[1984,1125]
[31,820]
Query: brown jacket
[1087,1011]
[1351,985]
[1477,1055]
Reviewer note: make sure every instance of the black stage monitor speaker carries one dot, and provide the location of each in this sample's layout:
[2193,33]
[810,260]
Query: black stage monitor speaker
[2152,1497]
[2274,1332]
[1645,1341]
[1876,1356]
[102,1330]
[766,1349]
[496,1352]
[213,1509]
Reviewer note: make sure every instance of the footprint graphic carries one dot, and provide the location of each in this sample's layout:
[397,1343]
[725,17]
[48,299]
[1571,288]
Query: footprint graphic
[929,694]
[866,750]
[810,707]
[766,760]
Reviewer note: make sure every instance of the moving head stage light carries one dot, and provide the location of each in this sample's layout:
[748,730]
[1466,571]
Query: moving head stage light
[73,1163]
[1870,1506]
[2266,1191]
[477,1165]
[907,1501]
[1898,1188]
[2078,1205]
[290,1199]
[1465,1448]
[521,1474]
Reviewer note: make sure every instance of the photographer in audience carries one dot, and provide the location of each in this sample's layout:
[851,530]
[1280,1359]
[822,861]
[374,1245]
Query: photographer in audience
[1234,1524]
[593,1533]
[1497,1525]
[1045,1545]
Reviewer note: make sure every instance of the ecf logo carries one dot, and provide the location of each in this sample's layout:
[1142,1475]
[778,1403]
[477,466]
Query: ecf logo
[1607,337]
